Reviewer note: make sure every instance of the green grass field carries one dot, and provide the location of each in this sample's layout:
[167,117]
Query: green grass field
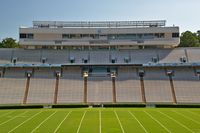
[100,120]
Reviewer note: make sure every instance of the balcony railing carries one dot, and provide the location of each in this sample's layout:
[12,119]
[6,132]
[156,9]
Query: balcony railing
[108,24]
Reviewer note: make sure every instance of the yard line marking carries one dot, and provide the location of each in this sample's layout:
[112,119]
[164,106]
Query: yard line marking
[81,122]
[62,121]
[119,122]
[187,117]
[13,118]
[24,122]
[99,121]
[157,121]
[175,121]
[43,122]
[138,122]
[6,113]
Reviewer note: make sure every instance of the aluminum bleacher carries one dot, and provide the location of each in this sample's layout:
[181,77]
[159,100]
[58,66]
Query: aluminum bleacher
[187,86]
[71,86]
[128,86]
[12,86]
[27,56]
[42,86]
[140,56]
[5,56]
[171,55]
[99,90]
[157,86]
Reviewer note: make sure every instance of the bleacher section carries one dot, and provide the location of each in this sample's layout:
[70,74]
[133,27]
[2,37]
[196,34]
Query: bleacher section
[70,86]
[101,84]
[42,87]
[187,86]
[12,86]
[171,56]
[141,56]
[27,56]
[99,90]
[128,86]
[5,56]
[157,86]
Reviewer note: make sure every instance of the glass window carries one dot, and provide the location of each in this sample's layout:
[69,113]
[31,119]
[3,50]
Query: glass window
[175,35]
[22,35]
[30,36]
[159,35]
[65,36]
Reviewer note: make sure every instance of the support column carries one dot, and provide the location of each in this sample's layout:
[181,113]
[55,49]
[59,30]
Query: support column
[85,90]
[172,89]
[142,89]
[114,90]
[56,88]
[27,88]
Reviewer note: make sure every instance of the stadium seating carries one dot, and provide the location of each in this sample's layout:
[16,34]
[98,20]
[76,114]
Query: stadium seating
[193,55]
[12,86]
[27,56]
[186,85]
[5,56]
[141,56]
[171,56]
[157,86]
[128,86]
[41,90]
[42,86]
[71,86]
[99,89]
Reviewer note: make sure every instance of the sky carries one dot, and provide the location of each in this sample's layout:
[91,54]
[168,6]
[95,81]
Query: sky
[16,13]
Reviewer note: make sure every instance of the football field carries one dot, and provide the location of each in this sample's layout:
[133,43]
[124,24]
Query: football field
[100,120]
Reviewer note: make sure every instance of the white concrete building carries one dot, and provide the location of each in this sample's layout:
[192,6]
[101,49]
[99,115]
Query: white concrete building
[98,35]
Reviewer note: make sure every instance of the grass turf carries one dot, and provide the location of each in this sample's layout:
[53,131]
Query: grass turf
[100,120]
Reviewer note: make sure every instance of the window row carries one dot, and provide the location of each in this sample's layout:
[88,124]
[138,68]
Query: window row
[23,36]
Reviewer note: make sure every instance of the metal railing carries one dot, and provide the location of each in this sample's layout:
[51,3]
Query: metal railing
[106,24]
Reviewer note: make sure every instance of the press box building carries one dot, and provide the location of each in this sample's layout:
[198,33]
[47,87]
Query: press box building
[99,35]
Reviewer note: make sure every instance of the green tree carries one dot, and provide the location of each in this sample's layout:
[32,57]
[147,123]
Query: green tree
[9,43]
[198,34]
[1,45]
[189,39]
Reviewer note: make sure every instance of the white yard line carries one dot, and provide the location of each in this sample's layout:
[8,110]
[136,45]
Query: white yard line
[24,122]
[157,122]
[13,118]
[175,121]
[81,122]
[138,122]
[6,113]
[186,117]
[43,122]
[99,121]
[62,121]
[119,122]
